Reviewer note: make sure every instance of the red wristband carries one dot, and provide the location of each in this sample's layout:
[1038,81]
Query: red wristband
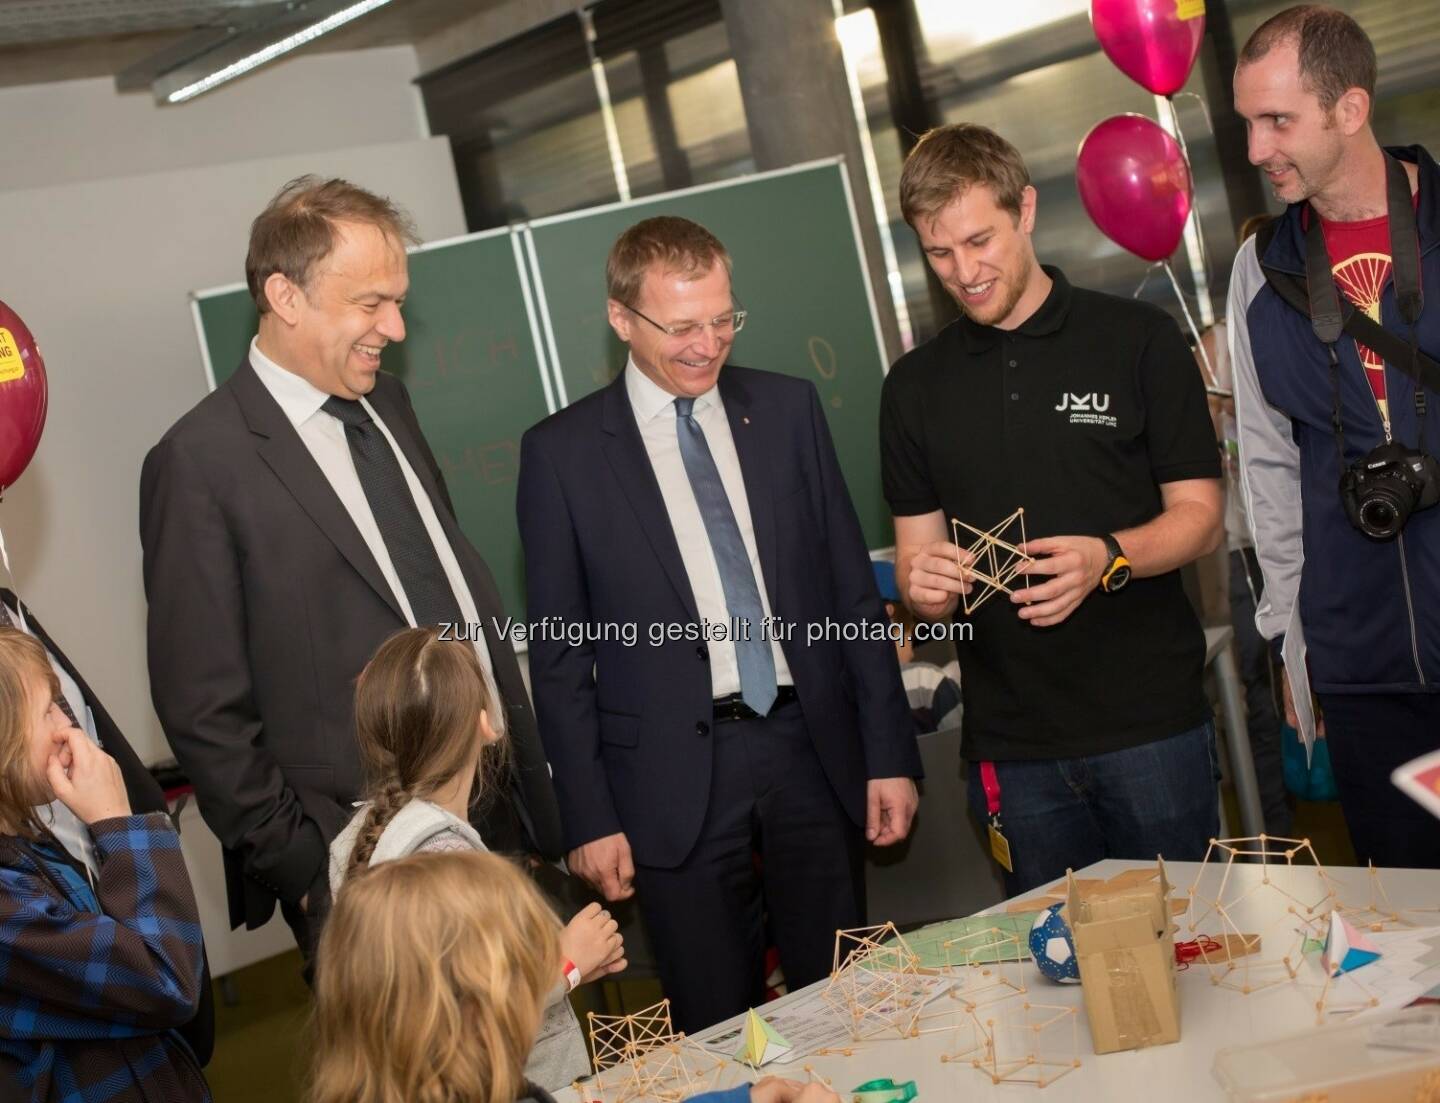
[572,973]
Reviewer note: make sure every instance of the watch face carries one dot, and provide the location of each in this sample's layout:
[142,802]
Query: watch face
[1118,577]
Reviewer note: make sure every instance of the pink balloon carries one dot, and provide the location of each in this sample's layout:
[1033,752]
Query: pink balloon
[24,396]
[1135,185]
[1153,42]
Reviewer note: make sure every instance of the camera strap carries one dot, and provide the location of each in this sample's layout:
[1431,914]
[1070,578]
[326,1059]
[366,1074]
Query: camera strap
[1323,306]
[1317,297]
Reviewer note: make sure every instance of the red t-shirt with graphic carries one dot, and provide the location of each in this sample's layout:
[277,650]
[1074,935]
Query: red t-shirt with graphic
[1360,258]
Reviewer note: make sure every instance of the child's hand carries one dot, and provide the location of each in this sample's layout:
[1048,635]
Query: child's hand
[86,779]
[775,1089]
[592,941]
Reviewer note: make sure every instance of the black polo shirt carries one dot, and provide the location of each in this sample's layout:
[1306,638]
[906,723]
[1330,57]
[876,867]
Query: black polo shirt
[1078,415]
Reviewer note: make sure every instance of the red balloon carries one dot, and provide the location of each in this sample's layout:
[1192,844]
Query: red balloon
[23,396]
[1135,184]
[1153,42]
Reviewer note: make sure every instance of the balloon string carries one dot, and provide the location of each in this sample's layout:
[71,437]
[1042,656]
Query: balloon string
[5,558]
[1149,270]
[1204,110]
[1195,207]
[1211,384]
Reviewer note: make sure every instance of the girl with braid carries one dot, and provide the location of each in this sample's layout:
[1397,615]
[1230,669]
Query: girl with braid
[430,737]
[429,985]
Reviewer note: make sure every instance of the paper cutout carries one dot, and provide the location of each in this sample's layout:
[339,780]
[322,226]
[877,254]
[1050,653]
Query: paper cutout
[760,1042]
[972,940]
[1346,949]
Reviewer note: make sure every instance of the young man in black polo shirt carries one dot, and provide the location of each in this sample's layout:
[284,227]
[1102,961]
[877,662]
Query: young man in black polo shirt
[1085,722]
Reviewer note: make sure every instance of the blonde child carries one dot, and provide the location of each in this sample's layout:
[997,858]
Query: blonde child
[98,975]
[431,978]
[429,736]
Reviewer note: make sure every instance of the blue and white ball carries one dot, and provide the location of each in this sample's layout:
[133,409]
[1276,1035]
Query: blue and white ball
[1052,947]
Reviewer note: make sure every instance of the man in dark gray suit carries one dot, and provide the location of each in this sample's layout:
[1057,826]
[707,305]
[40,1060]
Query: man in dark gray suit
[292,521]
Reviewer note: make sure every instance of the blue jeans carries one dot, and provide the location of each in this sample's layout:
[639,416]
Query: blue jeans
[1064,813]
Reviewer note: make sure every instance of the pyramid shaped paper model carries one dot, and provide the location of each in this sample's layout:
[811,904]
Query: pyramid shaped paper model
[759,1042]
[1346,949]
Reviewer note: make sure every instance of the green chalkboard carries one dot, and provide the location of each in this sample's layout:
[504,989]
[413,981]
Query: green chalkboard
[507,325]
[797,270]
[470,363]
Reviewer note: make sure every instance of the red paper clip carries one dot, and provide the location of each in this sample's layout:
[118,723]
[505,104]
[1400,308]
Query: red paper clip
[1186,952]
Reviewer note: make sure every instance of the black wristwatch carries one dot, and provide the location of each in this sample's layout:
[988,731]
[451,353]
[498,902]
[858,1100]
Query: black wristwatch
[1117,568]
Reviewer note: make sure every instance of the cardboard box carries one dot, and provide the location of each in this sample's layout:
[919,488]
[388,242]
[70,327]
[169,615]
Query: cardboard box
[1125,946]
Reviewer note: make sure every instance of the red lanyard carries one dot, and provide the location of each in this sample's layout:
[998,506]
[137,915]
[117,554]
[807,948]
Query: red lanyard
[991,784]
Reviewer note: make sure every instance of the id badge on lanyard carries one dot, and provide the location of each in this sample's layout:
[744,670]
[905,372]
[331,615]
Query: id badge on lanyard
[999,845]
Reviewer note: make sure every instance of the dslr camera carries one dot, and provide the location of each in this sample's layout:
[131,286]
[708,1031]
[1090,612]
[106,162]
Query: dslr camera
[1381,490]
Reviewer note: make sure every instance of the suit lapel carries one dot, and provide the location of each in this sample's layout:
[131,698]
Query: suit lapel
[627,456]
[404,427]
[38,631]
[285,453]
[757,467]
[12,599]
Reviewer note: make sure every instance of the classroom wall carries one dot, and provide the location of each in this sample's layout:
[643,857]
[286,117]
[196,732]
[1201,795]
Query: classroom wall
[67,131]
[100,267]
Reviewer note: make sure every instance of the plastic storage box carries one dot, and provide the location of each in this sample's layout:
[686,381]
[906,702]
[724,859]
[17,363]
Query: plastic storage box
[1388,1058]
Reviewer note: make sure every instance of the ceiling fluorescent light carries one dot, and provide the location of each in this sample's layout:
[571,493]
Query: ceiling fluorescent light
[274,50]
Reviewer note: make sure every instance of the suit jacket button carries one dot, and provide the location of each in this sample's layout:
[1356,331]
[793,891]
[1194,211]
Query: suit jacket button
[702,653]
[702,728]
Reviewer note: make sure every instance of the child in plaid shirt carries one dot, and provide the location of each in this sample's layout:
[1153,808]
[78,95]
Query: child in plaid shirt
[97,975]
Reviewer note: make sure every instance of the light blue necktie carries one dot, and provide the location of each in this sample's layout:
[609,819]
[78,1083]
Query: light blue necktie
[742,596]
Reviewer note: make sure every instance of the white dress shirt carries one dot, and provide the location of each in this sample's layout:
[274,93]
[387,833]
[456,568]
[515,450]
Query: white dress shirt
[655,413]
[73,835]
[324,436]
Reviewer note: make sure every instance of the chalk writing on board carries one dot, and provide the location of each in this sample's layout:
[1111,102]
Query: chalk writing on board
[822,355]
[466,354]
[493,463]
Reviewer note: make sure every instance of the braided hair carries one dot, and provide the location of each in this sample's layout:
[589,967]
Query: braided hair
[418,704]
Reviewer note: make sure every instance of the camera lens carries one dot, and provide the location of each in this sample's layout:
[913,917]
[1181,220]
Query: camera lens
[1380,517]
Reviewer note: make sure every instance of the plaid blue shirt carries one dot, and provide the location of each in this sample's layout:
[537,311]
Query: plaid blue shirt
[93,982]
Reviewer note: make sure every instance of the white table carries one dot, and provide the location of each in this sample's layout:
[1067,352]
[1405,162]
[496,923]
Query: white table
[1211,1017]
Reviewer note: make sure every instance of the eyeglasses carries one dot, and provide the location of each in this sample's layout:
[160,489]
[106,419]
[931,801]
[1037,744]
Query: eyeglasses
[725,324]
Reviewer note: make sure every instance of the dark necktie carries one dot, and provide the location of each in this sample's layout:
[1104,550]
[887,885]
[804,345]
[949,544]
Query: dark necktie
[742,596]
[412,552]
[7,621]
[432,599]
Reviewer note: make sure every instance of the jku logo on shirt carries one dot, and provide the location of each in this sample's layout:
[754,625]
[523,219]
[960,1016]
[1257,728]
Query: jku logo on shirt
[1087,409]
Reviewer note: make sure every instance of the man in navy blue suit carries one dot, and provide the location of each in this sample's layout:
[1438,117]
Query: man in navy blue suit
[715,683]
